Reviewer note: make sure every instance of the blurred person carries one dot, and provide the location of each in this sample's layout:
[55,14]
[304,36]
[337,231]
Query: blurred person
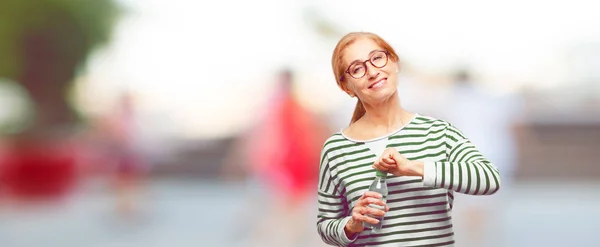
[427,159]
[119,133]
[280,155]
[490,121]
[279,151]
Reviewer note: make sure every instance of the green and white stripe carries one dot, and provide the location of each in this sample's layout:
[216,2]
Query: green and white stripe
[419,207]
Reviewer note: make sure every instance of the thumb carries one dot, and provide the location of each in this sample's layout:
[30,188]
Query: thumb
[392,154]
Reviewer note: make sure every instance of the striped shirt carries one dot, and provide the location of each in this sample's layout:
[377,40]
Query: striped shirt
[420,208]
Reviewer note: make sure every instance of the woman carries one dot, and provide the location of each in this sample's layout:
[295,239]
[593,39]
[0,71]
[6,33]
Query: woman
[426,159]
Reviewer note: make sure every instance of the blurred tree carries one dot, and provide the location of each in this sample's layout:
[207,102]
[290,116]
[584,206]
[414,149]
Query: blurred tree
[43,44]
[321,25]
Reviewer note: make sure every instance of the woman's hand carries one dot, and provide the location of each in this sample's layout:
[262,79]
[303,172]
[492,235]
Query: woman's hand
[393,162]
[362,209]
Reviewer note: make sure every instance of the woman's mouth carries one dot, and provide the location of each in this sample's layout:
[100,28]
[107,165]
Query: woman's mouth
[377,84]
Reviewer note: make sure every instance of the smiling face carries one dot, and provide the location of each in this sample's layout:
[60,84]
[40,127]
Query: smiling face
[366,66]
[380,78]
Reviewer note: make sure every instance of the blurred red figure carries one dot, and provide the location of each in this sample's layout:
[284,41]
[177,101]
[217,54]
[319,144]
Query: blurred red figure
[282,154]
[286,146]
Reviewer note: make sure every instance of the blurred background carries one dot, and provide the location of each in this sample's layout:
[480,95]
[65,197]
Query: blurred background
[167,123]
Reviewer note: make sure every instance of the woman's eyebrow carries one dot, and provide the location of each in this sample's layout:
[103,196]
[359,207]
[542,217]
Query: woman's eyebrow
[358,60]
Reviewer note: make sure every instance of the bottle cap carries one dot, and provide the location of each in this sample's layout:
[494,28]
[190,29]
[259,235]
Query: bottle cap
[379,173]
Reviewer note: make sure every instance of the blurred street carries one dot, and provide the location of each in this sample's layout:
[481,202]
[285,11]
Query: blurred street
[202,213]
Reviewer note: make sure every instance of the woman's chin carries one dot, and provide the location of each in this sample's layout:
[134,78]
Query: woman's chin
[383,95]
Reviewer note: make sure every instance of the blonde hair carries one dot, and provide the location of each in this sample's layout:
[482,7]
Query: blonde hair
[339,68]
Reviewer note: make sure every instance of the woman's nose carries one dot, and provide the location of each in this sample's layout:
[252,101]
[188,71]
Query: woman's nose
[372,71]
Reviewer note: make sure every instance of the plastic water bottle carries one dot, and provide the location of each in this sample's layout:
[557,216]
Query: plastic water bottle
[379,185]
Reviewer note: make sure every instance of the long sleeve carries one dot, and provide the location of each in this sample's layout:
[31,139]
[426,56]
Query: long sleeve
[333,211]
[466,170]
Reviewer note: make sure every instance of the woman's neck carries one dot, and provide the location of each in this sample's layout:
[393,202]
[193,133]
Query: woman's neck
[388,115]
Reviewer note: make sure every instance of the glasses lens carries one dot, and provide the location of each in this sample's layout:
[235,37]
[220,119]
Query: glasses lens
[379,59]
[357,70]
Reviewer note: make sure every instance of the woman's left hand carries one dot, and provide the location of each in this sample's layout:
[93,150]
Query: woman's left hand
[393,162]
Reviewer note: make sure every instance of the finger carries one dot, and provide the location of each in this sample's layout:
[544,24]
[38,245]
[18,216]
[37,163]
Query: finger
[371,220]
[381,167]
[363,218]
[371,194]
[373,211]
[366,214]
[392,154]
[362,201]
[389,160]
[383,162]
[376,201]
[385,166]
[356,218]
[377,163]
[387,208]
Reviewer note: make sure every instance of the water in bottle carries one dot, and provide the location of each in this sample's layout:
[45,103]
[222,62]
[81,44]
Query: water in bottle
[379,185]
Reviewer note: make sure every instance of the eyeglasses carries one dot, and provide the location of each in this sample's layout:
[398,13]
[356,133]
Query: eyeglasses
[359,69]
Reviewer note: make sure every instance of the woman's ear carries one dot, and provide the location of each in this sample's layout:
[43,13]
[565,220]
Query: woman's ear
[350,93]
[347,89]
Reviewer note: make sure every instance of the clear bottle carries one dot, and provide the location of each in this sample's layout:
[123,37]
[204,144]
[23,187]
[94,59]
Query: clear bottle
[379,185]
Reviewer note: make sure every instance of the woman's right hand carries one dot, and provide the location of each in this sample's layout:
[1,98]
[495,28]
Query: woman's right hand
[362,209]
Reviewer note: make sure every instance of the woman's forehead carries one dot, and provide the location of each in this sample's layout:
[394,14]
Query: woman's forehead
[360,50]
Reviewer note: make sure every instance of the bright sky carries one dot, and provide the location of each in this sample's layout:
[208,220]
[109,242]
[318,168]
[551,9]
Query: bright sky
[203,68]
